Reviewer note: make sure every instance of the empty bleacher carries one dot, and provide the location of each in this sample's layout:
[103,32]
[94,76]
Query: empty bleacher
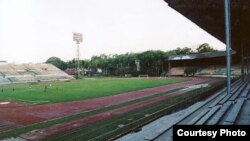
[44,78]
[4,81]
[7,70]
[208,70]
[212,70]
[19,73]
[221,108]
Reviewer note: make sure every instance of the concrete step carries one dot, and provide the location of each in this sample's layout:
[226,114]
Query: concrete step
[235,89]
[225,99]
[208,115]
[246,91]
[239,92]
[216,118]
[248,97]
[158,130]
[235,93]
[216,102]
[232,116]
[198,117]
[236,86]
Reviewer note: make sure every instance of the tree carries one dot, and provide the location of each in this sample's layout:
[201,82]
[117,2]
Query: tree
[57,62]
[71,64]
[180,51]
[205,47]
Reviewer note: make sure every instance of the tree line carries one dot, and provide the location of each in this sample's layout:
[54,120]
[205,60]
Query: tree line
[151,62]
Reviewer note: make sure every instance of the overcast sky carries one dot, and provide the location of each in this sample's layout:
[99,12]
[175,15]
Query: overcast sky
[34,30]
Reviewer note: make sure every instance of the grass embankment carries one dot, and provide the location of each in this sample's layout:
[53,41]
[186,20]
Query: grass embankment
[78,89]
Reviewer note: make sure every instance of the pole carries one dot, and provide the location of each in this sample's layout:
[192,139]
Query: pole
[169,67]
[242,59]
[228,44]
[247,60]
[78,61]
[78,38]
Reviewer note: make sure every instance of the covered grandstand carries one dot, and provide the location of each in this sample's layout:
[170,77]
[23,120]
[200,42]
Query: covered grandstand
[30,73]
[211,63]
[210,15]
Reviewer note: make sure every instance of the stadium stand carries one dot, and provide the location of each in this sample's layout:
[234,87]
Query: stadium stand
[4,81]
[208,70]
[211,63]
[213,70]
[220,70]
[7,70]
[22,79]
[27,73]
[220,108]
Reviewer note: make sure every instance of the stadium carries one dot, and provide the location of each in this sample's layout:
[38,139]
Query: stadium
[40,101]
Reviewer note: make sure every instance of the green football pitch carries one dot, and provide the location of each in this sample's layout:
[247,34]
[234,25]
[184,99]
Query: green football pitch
[50,92]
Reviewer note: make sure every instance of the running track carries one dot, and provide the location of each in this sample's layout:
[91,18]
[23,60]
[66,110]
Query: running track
[29,114]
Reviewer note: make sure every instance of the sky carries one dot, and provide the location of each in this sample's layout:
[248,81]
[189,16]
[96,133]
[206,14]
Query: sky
[31,31]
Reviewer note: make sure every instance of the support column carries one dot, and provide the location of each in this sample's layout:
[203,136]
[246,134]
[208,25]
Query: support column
[228,44]
[184,69]
[247,59]
[169,67]
[242,58]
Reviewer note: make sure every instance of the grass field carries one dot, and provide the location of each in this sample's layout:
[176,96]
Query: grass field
[78,89]
[108,128]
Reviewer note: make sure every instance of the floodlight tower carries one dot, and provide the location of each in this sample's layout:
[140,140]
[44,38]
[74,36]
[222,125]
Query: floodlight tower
[77,37]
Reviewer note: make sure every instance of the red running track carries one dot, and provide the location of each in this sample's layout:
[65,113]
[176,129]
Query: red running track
[64,127]
[30,114]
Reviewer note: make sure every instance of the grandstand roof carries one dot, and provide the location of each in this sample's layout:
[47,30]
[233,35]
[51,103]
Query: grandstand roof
[198,55]
[209,15]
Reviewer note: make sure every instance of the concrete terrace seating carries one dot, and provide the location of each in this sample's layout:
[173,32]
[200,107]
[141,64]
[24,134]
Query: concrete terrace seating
[209,70]
[21,69]
[27,79]
[220,71]
[212,70]
[36,68]
[62,77]
[227,108]
[19,73]
[13,79]
[7,70]
[53,77]
[22,79]
[218,109]
[44,69]
[236,70]
[4,81]
[44,78]
[17,67]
